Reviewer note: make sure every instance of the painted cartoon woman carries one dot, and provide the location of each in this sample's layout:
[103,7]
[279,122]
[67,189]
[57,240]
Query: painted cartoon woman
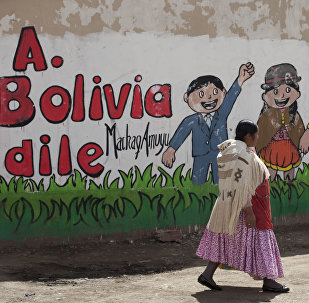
[281,126]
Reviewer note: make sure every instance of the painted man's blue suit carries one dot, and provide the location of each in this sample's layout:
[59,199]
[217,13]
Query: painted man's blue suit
[205,139]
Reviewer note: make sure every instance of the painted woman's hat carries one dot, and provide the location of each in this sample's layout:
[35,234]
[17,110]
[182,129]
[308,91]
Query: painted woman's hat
[284,73]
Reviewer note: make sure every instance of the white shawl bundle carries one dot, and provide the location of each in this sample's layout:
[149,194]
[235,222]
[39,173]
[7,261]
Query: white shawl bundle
[240,173]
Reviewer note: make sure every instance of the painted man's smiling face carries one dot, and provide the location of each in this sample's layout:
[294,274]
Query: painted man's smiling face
[206,99]
[281,97]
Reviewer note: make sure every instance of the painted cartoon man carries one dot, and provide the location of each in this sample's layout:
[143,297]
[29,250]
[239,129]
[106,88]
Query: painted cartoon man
[207,97]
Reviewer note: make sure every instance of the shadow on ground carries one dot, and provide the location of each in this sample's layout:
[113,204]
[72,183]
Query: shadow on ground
[101,260]
[233,294]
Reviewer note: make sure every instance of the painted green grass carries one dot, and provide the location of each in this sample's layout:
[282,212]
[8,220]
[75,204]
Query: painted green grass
[134,200]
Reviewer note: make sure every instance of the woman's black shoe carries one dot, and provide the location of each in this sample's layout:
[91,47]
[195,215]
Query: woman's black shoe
[201,279]
[276,289]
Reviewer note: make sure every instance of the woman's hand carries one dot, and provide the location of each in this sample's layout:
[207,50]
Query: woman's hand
[250,217]
[304,142]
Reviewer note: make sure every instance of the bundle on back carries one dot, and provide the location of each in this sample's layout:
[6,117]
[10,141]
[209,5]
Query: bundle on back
[240,172]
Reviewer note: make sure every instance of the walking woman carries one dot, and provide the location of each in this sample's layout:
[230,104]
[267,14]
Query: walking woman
[239,232]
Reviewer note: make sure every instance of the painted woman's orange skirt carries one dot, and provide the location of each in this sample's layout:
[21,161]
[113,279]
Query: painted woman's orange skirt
[281,155]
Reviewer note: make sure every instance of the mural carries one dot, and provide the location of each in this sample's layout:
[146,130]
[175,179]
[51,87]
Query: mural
[85,155]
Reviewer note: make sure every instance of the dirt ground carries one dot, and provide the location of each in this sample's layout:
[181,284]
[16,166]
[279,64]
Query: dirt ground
[143,271]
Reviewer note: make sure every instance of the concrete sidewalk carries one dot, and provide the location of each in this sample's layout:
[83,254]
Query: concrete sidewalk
[171,287]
